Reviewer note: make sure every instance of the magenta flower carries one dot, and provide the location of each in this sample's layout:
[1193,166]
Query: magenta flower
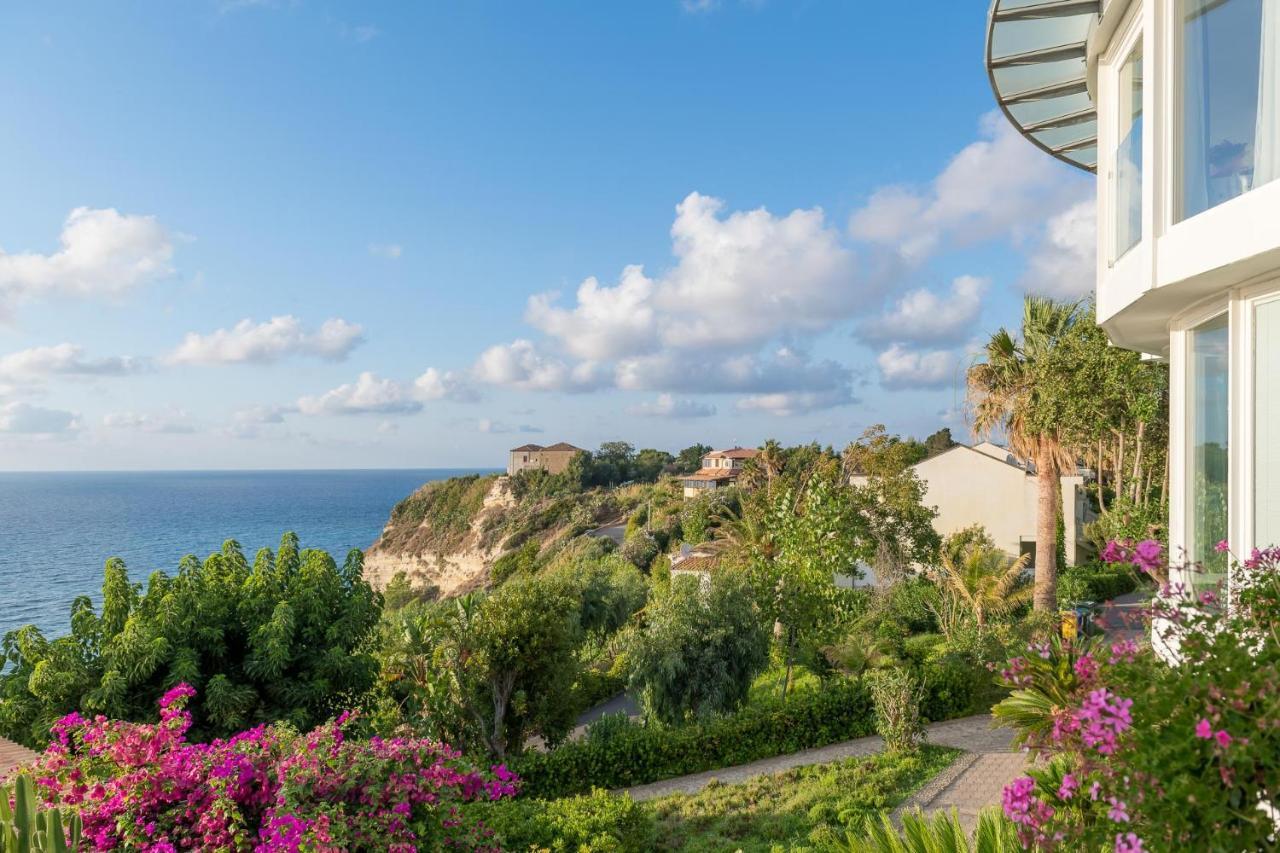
[1148,555]
[1129,843]
[1222,546]
[1118,811]
[1068,787]
[1223,739]
[1204,730]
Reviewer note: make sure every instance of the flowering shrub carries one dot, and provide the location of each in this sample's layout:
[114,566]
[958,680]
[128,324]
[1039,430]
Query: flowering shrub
[144,787]
[1147,755]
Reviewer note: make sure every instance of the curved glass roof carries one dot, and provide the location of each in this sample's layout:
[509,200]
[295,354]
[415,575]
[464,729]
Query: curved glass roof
[1036,60]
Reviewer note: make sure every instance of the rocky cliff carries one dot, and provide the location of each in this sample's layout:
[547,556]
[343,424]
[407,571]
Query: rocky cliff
[449,533]
[437,535]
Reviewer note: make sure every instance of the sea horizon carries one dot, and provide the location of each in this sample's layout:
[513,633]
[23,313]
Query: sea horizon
[58,528]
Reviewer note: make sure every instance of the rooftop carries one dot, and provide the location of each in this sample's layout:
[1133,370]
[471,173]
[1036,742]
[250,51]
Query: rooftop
[1037,62]
[713,474]
[734,453]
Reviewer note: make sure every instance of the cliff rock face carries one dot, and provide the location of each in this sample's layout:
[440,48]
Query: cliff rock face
[437,535]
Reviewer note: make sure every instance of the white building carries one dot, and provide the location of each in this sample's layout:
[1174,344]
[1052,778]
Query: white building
[720,468]
[1174,104]
[987,485]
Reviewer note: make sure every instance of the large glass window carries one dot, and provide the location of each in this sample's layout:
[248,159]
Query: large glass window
[1229,118]
[1207,395]
[1128,167]
[1266,424]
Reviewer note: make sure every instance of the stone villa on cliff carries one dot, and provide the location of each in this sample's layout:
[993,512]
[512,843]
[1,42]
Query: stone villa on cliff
[553,459]
[720,468]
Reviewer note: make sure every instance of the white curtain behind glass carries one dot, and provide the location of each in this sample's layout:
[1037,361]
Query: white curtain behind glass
[1266,144]
[1266,424]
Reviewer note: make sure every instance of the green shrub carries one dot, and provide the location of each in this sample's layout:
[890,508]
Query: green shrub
[1099,583]
[598,822]
[646,754]
[896,695]
[942,832]
[953,684]
[523,560]
[922,647]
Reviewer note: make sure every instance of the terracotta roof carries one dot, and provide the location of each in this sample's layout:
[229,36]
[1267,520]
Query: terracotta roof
[696,563]
[565,446]
[713,474]
[735,453]
[12,755]
[526,447]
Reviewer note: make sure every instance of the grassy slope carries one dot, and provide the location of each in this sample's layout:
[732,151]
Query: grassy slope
[808,807]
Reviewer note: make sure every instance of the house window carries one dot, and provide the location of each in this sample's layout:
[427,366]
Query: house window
[1266,424]
[1207,416]
[1229,121]
[1128,164]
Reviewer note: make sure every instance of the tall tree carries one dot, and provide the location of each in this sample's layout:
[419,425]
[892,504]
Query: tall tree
[1013,390]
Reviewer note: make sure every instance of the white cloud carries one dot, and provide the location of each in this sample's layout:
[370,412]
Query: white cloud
[264,343]
[390,251]
[522,365]
[667,406]
[103,253]
[785,404]
[782,371]
[901,367]
[922,316]
[1063,265]
[999,185]
[65,359]
[606,323]
[436,384]
[25,419]
[739,280]
[174,422]
[367,395]
[487,425]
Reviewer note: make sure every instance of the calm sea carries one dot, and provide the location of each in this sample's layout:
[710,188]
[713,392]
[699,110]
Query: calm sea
[57,529]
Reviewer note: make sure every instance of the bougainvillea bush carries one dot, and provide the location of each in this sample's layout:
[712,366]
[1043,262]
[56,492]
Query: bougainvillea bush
[1148,754]
[145,787]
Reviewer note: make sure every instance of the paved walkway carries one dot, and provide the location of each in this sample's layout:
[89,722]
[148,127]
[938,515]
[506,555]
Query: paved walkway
[11,755]
[975,784]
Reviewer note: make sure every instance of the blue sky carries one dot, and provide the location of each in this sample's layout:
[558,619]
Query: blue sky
[320,234]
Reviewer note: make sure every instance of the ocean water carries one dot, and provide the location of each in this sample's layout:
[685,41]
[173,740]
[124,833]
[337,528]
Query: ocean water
[57,529]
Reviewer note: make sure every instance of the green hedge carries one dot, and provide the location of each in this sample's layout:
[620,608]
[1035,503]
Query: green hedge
[640,754]
[1104,584]
[594,822]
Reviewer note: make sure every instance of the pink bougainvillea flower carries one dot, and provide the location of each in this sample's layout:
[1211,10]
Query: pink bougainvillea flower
[1148,555]
[1222,547]
[1129,843]
[1068,788]
[1204,730]
[1223,739]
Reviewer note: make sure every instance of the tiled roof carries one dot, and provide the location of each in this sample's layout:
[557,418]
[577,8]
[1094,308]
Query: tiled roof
[696,563]
[713,474]
[526,448]
[564,446]
[12,755]
[735,453]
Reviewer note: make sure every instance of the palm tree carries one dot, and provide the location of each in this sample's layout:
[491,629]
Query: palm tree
[985,580]
[1008,391]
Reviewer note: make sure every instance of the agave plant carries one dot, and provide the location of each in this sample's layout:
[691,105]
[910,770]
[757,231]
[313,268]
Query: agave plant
[942,833]
[27,828]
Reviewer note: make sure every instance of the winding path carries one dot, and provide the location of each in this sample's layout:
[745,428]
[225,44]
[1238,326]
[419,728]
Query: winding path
[973,782]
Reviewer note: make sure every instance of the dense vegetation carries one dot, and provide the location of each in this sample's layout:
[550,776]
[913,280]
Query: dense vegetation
[286,638]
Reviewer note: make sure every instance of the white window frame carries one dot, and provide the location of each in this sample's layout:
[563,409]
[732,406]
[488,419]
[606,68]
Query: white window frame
[1247,300]
[1132,35]
[1180,526]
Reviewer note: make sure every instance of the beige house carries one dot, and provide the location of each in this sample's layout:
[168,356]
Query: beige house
[986,484]
[553,459]
[720,468]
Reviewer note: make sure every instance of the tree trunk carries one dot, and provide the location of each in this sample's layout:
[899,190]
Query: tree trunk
[1102,498]
[1120,467]
[1046,590]
[1137,463]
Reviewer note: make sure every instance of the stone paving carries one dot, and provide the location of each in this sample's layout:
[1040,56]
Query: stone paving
[975,780]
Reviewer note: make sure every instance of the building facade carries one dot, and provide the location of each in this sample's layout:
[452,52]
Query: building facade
[553,459]
[720,468]
[1174,104]
[987,485]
